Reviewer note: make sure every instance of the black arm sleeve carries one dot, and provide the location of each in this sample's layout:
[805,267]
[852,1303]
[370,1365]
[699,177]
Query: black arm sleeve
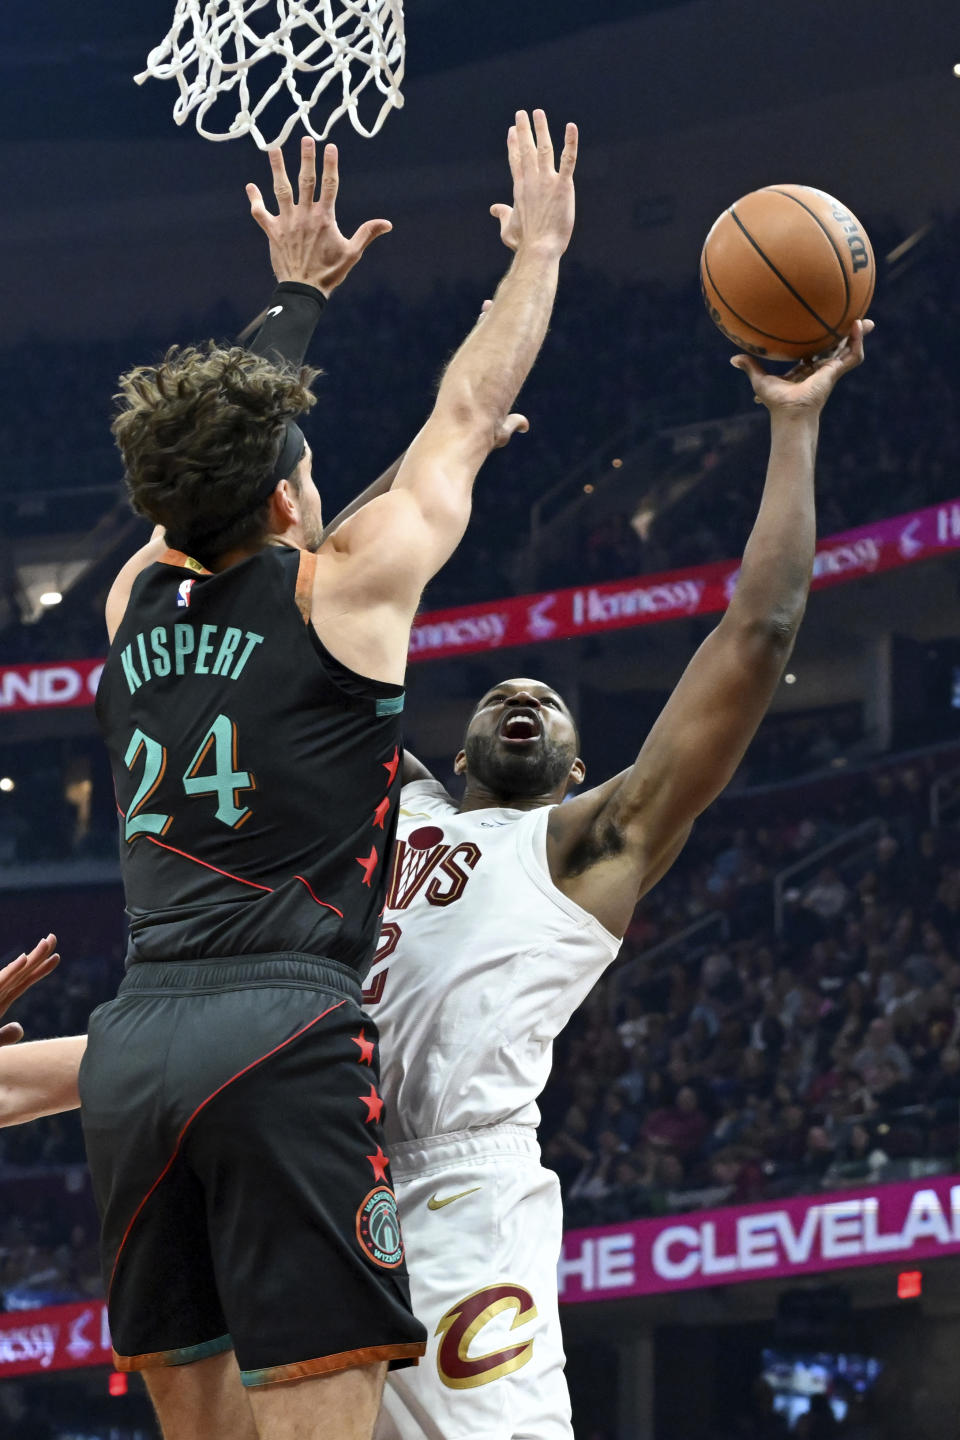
[289,323]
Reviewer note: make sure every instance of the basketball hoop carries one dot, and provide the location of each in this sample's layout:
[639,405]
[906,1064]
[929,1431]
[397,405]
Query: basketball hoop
[349,45]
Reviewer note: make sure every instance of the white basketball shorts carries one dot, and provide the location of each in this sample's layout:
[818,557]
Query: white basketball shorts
[482,1225]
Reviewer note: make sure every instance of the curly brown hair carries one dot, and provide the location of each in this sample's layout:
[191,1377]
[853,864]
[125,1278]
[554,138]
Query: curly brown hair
[198,433]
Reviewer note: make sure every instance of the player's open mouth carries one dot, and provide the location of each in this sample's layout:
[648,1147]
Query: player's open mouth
[520,727]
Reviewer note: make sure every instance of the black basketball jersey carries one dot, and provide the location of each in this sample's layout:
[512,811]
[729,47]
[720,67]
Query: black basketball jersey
[257,778]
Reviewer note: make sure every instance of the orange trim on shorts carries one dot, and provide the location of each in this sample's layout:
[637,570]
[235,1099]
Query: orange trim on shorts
[327,1364]
[165,1359]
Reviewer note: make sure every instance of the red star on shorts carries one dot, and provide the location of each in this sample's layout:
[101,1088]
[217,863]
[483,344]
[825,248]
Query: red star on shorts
[379,1163]
[369,865]
[366,1048]
[374,1105]
[391,766]
[380,814]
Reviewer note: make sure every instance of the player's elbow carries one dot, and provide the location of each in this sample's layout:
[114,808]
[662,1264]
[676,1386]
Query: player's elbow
[473,419]
[769,633]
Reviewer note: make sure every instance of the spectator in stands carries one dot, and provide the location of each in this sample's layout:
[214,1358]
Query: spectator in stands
[681,1127]
[881,1050]
[827,896]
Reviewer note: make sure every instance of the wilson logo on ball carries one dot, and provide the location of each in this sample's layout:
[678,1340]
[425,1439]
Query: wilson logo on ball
[786,272]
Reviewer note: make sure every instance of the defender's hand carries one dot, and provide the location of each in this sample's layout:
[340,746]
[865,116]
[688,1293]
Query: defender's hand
[19,975]
[305,241]
[808,386]
[542,214]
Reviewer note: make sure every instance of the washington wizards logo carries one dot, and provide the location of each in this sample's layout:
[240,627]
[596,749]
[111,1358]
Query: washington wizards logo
[378,1228]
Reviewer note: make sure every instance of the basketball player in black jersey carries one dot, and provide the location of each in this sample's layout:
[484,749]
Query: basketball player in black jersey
[609,846]
[251,703]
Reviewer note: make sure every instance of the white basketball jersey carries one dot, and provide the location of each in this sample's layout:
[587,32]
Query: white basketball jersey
[481,963]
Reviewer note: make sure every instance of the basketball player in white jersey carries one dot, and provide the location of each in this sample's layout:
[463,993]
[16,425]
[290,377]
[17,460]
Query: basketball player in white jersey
[503,910]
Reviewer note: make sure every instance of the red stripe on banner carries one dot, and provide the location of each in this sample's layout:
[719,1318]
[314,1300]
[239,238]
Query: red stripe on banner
[576,610]
[56,1337]
[674,594]
[48,687]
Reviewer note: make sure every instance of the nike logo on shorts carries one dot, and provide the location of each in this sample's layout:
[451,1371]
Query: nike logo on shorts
[434,1204]
[277,310]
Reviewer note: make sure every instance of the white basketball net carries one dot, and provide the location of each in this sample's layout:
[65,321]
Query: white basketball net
[213,46]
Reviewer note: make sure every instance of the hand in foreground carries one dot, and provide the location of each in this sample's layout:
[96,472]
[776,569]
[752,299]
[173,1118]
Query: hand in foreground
[305,241]
[19,975]
[808,386]
[541,216]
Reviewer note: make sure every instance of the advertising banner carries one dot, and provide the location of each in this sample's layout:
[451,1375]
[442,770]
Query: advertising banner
[674,594]
[911,1221]
[60,1337]
[908,1222]
[577,610]
[48,687]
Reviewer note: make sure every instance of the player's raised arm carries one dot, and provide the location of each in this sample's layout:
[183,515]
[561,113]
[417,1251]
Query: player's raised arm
[310,257]
[17,977]
[427,509]
[39,1078]
[615,842]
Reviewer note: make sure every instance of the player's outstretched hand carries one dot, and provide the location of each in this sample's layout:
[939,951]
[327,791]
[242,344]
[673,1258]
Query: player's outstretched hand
[19,975]
[305,241]
[542,214]
[808,386]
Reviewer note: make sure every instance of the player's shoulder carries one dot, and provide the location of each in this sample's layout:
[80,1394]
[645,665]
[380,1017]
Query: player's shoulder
[425,796]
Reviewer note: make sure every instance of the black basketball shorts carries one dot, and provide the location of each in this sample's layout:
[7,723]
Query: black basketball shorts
[231,1112]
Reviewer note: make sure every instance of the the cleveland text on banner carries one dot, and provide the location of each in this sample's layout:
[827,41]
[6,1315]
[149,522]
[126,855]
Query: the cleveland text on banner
[910,1221]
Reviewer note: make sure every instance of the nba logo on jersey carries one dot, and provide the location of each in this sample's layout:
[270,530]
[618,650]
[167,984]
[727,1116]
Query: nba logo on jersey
[183,594]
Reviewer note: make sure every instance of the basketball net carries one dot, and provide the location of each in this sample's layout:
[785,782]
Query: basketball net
[348,45]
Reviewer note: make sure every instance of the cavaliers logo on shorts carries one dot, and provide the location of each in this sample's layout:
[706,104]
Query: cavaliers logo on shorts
[378,1228]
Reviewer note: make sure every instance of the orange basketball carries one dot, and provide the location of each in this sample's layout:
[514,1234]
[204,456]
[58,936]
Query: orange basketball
[786,271]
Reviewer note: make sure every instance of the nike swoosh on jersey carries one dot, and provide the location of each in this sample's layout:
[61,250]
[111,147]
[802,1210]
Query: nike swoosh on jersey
[434,1204]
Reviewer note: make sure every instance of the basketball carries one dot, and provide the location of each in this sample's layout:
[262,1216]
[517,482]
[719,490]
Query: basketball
[786,271]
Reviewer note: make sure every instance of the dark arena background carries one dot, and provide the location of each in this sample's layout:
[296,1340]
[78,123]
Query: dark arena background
[756,1114]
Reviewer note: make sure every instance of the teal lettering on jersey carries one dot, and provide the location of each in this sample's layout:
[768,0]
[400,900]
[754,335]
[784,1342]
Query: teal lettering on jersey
[129,669]
[186,651]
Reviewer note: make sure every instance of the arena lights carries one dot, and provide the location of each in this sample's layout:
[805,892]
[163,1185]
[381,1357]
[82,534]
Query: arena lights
[588,489]
[909,1284]
[617,464]
[956,71]
[789,678]
[6,784]
[50,597]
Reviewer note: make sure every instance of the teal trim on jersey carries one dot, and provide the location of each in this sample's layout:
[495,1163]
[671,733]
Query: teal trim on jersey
[390,705]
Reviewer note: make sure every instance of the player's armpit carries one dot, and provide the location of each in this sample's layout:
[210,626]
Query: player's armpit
[39,1078]
[611,845]
[386,552]
[119,596]
[414,769]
